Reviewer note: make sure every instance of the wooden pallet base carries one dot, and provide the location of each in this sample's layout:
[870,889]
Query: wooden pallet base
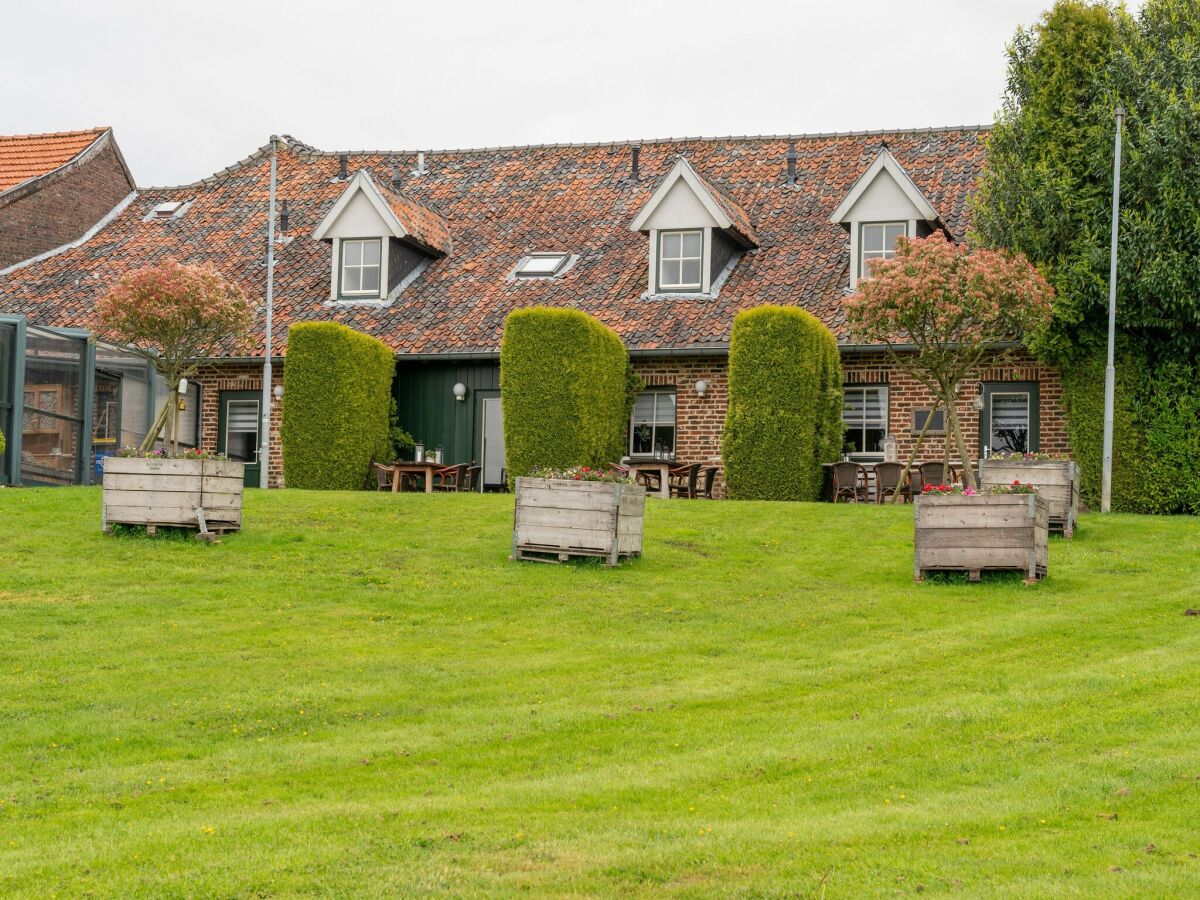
[976,574]
[212,533]
[548,554]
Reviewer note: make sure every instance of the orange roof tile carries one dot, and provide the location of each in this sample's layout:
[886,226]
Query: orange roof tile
[503,203]
[25,156]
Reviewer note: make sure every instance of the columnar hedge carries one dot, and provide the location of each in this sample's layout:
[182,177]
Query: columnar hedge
[785,405]
[337,391]
[563,378]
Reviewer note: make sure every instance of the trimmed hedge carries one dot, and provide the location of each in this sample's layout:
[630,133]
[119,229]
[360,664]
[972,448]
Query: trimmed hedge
[1156,433]
[785,405]
[563,388]
[337,393]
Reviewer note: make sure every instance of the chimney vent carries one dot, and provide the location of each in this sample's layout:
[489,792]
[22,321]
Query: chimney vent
[283,218]
[420,169]
[396,179]
[791,162]
[636,150]
[343,166]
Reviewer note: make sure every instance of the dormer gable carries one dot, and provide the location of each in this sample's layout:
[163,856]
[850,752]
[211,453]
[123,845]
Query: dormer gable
[695,231]
[883,204]
[381,240]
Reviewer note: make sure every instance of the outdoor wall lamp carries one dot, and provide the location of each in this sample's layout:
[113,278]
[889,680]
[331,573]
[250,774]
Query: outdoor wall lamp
[701,387]
[460,391]
[978,402]
[278,391]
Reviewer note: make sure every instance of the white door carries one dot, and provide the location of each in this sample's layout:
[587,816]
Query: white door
[492,452]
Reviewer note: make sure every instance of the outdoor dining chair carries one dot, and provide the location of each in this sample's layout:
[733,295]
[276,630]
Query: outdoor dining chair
[710,475]
[887,480]
[849,482]
[929,473]
[383,477]
[683,481]
[472,480]
[450,478]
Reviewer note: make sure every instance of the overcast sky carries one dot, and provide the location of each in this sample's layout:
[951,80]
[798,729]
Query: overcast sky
[191,87]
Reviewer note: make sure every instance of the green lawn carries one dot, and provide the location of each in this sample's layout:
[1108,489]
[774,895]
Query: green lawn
[361,695]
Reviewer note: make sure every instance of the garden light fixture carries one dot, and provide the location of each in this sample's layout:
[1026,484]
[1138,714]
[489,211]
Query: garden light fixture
[701,387]
[460,391]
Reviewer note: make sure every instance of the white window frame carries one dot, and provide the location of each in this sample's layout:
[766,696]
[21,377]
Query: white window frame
[342,267]
[528,260]
[693,287]
[864,255]
[864,423]
[655,423]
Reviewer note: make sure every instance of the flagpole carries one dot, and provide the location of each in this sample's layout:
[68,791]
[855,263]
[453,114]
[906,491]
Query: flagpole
[264,430]
[1110,372]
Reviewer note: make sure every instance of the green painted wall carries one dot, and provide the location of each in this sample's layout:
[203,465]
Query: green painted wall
[428,411]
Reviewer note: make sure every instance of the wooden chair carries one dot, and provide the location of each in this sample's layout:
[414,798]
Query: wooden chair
[849,482]
[710,475]
[450,478]
[887,480]
[683,481]
[472,480]
[649,479]
[383,477]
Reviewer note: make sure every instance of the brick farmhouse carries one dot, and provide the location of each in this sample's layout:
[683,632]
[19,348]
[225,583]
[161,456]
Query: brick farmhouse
[664,241]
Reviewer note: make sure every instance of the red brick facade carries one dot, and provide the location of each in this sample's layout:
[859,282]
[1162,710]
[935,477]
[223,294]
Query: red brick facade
[61,206]
[238,377]
[700,420]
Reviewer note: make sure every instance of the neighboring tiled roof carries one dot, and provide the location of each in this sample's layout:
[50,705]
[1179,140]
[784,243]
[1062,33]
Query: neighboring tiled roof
[25,156]
[502,203]
[422,224]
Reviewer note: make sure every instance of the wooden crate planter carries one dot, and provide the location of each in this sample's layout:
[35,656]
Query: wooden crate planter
[555,520]
[1056,480]
[205,494]
[988,531]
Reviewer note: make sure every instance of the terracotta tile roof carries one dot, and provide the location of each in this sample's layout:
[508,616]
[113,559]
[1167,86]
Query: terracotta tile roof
[502,203]
[25,156]
[422,224]
[733,212]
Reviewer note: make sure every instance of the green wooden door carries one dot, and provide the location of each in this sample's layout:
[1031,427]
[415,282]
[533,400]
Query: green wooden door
[237,430]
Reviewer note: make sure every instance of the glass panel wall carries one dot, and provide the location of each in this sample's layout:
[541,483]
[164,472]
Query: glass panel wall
[8,351]
[121,402]
[53,407]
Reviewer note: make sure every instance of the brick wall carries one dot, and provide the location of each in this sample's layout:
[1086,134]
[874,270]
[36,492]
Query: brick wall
[62,207]
[238,377]
[905,395]
[700,420]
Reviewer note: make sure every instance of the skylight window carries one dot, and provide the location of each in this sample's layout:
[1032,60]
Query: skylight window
[167,210]
[541,265]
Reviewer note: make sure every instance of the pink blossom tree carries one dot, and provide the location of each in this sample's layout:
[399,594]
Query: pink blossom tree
[176,316]
[942,309]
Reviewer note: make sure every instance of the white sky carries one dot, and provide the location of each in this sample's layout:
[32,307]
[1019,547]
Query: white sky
[191,87]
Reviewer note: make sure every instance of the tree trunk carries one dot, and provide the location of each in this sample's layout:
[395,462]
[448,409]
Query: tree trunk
[952,423]
[912,456]
[155,429]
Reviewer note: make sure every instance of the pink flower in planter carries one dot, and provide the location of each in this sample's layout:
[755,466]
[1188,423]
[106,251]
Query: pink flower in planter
[969,491]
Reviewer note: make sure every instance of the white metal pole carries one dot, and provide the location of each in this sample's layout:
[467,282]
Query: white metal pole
[1110,372]
[264,428]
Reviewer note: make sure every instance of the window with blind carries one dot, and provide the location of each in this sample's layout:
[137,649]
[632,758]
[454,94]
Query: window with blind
[1009,422]
[864,417]
[652,424]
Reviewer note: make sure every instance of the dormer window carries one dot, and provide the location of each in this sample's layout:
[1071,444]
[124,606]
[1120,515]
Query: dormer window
[541,265]
[680,260]
[877,240]
[361,263]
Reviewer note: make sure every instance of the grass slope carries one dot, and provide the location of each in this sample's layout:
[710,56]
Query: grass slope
[360,695]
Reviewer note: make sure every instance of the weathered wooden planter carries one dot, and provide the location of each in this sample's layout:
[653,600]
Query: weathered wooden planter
[557,519]
[205,494]
[1056,480]
[955,532]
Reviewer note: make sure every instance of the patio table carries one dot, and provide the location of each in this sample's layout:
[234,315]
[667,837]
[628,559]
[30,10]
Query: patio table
[414,468]
[662,467]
